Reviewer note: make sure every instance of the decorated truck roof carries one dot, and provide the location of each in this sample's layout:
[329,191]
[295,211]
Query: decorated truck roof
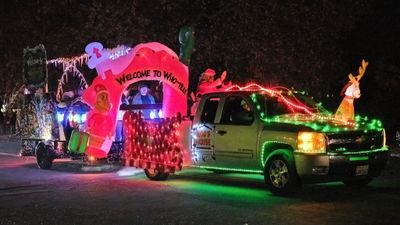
[302,110]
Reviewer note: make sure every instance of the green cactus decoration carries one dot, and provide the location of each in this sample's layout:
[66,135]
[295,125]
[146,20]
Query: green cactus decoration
[186,39]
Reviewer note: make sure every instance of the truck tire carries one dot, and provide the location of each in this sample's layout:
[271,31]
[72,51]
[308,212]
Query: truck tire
[155,175]
[281,177]
[358,183]
[44,156]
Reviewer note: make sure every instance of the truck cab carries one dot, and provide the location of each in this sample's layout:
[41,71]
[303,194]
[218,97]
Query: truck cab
[287,138]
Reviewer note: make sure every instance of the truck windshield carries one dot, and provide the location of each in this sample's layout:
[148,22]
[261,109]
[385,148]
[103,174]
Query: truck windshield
[287,103]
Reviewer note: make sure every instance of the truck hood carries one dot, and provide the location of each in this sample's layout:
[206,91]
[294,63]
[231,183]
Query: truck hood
[323,123]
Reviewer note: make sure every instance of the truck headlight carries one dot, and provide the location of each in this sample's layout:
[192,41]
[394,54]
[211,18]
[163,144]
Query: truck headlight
[311,142]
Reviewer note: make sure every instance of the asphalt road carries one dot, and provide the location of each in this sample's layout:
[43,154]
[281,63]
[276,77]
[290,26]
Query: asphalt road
[73,193]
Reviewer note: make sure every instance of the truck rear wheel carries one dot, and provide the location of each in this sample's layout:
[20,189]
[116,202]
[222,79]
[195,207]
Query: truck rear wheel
[358,183]
[153,174]
[44,156]
[280,176]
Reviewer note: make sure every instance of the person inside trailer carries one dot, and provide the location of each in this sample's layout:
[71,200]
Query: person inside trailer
[144,97]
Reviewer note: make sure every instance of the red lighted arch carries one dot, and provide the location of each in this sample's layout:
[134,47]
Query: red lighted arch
[146,62]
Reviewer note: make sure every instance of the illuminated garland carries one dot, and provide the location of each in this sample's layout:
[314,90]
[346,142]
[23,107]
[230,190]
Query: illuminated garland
[263,149]
[64,79]
[320,121]
[152,144]
[66,62]
[69,66]
[118,51]
[229,169]
[276,91]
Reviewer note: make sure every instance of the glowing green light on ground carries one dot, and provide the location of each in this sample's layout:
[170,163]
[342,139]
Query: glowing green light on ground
[230,188]
[358,158]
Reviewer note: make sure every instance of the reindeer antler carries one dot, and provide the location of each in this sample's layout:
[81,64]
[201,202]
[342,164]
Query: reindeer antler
[361,69]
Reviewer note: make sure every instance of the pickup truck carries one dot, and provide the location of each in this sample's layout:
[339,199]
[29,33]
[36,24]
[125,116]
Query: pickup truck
[286,138]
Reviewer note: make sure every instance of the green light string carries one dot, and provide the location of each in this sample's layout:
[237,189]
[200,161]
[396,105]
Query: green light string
[318,122]
[230,169]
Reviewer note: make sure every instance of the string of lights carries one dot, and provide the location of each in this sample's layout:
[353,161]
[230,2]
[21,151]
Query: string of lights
[304,115]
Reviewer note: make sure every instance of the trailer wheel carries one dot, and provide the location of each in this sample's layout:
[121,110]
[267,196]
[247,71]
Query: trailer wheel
[44,156]
[281,177]
[153,174]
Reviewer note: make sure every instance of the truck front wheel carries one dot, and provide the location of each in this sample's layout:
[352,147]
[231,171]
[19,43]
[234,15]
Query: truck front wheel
[153,174]
[280,176]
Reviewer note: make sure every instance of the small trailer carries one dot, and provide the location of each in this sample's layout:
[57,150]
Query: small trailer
[76,133]
[55,141]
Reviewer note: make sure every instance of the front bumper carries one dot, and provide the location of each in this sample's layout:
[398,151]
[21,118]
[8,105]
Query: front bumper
[332,167]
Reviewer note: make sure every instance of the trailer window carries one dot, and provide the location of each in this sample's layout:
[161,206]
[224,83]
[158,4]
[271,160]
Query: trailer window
[210,110]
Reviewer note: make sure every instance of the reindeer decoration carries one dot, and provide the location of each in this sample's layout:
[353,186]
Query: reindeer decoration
[351,91]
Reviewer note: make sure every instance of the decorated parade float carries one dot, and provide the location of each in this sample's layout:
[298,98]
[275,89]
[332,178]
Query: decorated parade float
[81,123]
[273,131]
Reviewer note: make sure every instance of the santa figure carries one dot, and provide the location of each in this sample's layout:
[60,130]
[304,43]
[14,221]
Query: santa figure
[207,84]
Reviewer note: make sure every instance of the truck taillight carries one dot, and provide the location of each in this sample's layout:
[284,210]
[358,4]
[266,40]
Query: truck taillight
[311,143]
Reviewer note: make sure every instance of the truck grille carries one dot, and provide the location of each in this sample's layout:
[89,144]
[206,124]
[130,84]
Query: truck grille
[354,141]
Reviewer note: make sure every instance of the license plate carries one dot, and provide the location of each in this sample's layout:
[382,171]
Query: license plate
[362,170]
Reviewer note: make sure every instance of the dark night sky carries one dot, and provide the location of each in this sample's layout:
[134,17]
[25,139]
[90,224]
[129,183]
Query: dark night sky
[308,45]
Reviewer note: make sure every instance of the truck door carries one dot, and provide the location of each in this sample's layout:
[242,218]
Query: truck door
[236,135]
[203,132]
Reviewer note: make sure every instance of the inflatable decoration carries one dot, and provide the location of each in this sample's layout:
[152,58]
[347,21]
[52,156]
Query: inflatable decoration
[207,84]
[351,91]
[96,54]
[186,39]
[145,62]
[99,124]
